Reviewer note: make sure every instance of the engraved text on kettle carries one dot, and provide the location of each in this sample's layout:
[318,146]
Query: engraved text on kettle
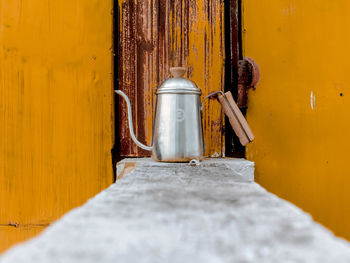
[180,115]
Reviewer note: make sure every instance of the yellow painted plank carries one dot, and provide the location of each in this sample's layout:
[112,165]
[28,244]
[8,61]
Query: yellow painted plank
[56,107]
[10,235]
[300,109]
[197,42]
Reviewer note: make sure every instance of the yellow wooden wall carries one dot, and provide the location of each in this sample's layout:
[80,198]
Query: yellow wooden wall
[56,110]
[300,111]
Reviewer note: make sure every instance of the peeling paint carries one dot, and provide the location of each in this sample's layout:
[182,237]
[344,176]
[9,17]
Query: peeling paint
[312,100]
[215,155]
[288,10]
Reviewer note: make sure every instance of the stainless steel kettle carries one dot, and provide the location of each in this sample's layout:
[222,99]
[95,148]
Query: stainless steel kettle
[177,128]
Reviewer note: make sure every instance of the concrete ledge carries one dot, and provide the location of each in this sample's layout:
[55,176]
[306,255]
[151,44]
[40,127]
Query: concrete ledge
[239,167]
[178,213]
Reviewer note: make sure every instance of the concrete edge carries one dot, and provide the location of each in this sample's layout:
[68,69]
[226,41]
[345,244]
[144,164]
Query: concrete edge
[239,166]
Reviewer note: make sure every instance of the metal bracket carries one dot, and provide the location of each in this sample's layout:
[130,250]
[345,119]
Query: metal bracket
[248,77]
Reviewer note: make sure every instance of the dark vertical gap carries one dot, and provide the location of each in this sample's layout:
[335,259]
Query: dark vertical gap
[233,51]
[238,146]
[116,45]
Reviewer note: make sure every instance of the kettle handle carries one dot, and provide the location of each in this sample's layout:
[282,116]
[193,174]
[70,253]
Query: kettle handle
[215,93]
[235,116]
[131,127]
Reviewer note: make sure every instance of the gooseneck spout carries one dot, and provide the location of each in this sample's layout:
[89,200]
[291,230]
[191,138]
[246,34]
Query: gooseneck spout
[131,127]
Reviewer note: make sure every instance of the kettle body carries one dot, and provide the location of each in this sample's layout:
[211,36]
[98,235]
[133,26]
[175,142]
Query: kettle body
[177,130]
[177,134]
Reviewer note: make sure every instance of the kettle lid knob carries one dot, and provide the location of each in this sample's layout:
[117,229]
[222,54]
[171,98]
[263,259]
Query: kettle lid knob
[178,72]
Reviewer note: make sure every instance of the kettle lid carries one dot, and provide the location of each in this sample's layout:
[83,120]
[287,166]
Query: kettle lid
[178,84]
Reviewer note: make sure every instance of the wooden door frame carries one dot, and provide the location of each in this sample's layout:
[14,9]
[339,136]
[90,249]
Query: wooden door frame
[233,51]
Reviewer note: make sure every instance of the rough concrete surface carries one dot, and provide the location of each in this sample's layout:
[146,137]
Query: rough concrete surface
[178,213]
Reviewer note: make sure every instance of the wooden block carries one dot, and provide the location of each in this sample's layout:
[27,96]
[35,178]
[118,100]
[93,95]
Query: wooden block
[125,167]
[236,118]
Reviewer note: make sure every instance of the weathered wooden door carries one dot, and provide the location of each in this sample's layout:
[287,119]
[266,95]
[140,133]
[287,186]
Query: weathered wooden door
[158,34]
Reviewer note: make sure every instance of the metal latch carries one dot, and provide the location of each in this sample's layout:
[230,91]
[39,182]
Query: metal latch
[248,77]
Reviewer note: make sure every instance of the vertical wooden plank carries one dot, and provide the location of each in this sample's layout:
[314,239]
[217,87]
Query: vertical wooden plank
[56,109]
[11,235]
[127,73]
[139,66]
[163,39]
[197,38]
[147,69]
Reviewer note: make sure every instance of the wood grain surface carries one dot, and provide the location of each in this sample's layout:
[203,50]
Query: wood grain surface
[56,110]
[156,35]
